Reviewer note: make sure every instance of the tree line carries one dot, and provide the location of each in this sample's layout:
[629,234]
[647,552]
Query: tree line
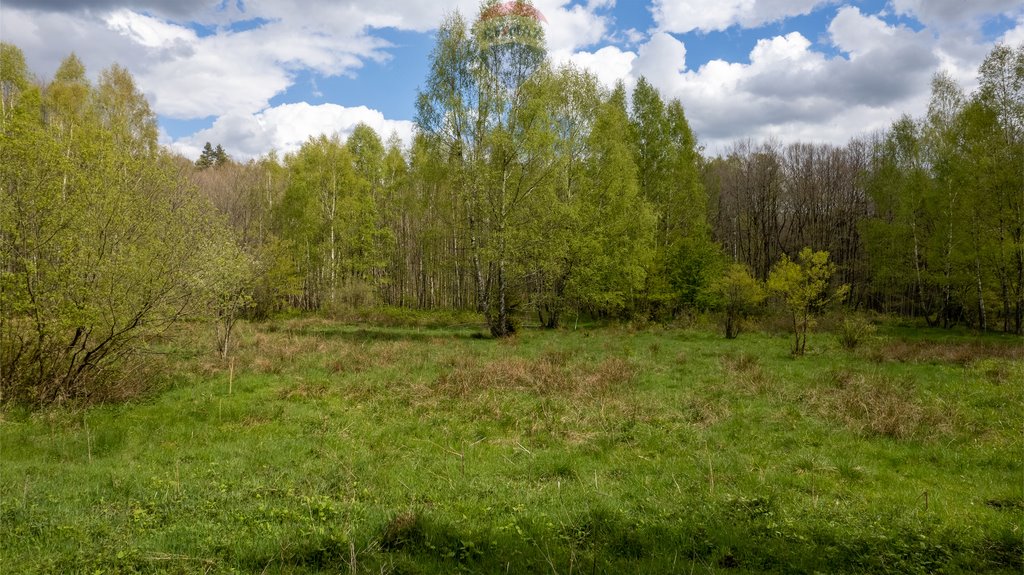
[528,191]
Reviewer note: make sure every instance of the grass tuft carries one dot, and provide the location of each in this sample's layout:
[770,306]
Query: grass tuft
[745,372]
[548,374]
[404,531]
[957,353]
[874,404]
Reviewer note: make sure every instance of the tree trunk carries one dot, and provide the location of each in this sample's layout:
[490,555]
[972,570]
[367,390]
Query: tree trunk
[983,324]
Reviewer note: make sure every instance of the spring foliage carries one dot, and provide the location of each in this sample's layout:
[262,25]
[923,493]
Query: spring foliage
[103,244]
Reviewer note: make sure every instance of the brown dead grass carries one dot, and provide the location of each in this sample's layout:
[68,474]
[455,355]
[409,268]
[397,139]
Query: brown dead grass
[745,372]
[958,353]
[877,405]
[553,373]
[277,351]
[304,390]
[274,352]
[358,358]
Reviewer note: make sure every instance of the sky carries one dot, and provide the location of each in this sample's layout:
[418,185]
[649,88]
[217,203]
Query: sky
[262,75]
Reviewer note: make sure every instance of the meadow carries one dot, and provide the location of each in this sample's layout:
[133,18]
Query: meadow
[419,446]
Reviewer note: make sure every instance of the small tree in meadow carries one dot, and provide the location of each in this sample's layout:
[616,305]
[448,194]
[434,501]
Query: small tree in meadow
[804,288]
[737,294]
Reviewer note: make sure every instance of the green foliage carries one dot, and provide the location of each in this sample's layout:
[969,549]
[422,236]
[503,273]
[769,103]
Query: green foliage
[485,107]
[98,236]
[14,78]
[668,170]
[737,294]
[212,157]
[948,223]
[589,242]
[804,288]
[328,220]
[227,283]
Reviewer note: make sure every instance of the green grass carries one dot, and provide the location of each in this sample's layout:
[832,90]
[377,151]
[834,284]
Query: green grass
[354,448]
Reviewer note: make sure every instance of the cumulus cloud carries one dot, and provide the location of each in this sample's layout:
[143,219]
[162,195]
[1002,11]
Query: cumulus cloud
[609,64]
[572,27]
[789,89]
[681,16]
[284,128]
[228,60]
[191,75]
[958,27]
[1014,36]
[188,76]
[943,14]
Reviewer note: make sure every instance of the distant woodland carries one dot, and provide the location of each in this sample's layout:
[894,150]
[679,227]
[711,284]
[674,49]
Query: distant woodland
[530,193]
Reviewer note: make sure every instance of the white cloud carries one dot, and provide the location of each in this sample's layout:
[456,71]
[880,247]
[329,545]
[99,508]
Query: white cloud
[609,64]
[1014,36]
[955,13]
[790,90]
[572,27]
[961,44]
[47,38]
[661,57]
[188,76]
[284,128]
[147,31]
[681,16]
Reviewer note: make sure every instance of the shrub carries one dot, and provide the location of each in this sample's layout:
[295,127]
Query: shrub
[854,331]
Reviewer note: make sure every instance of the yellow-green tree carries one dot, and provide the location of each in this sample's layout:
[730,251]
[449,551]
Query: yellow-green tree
[804,287]
[737,294]
[98,233]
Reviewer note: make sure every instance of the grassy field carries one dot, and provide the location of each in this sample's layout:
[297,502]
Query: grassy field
[327,447]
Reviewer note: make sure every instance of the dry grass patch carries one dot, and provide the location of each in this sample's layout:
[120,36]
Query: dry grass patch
[550,373]
[363,357]
[304,390]
[745,372]
[876,405]
[703,413]
[273,352]
[959,353]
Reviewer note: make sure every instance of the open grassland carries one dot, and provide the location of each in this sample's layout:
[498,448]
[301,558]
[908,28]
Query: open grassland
[351,448]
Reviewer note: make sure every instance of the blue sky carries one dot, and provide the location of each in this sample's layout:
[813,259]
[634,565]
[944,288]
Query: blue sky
[267,74]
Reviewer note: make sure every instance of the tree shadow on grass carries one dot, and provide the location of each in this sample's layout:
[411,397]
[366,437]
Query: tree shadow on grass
[385,334]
